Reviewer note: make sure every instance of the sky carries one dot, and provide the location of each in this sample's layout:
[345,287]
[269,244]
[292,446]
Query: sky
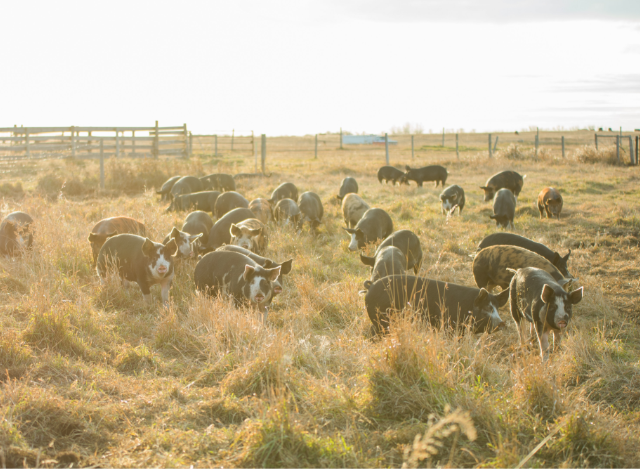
[296,67]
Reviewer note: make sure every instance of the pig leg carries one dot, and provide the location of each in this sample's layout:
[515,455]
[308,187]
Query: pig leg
[543,340]
[164,292]
[146,291]
[541,210]
[557,340]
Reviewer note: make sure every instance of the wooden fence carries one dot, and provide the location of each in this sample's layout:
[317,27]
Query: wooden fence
[45,142]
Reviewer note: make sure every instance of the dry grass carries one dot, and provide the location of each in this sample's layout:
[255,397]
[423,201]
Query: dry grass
[91,375]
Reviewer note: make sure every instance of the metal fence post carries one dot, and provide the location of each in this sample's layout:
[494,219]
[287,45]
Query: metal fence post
[562,146]
[386,147]
[490,155]
[618,147]
[156,143]
[537,143]
[316,148]
[101,163]
[412,147]
[457,152]
[133,142]
[264,150]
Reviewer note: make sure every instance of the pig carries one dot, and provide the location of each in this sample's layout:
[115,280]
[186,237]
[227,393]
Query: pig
[542,300]
[262,209]
[490,265]
[220,232]
[250,234]
[312,210]
[503,180]
[285,267]
[203,200]
[165,190]
[186,185]
[504,208]
[389,173]
[15,233]
[187,243]
[219,182]
[435,173]
[550,201]
[388,261]
[452,197]
[353,207]
[198,222]
[108,227]
[228,201]
[238,276]
[139,260]
[287,210]
[408,243]
[516,240]
[286,190]
[348,186]
[442,304]
[374,225]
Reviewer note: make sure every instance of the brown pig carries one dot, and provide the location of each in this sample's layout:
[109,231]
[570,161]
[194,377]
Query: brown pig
[550,201]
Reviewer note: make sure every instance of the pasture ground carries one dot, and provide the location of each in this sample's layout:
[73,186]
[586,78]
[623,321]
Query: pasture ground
[94,376]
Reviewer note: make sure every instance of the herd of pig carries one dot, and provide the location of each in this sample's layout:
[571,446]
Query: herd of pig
[230,252]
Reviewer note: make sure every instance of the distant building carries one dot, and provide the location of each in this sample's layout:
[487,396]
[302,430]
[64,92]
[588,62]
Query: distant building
[366,140]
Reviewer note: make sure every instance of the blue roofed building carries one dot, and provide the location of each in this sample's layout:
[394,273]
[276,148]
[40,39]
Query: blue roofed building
[366,140]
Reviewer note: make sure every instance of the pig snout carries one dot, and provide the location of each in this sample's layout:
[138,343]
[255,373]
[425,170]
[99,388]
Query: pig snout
[162,269]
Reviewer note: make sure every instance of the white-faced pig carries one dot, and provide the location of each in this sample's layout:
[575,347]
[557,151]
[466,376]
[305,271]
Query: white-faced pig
[388,261]
[503,180]
[389,173]
[220,232]
[542,300]
[353,207]
[285,267]
[198,222]
[348,186]
[504,208]
[375,224]
[250,234]
[435,173]
[219,182]
[409,243]
[262,209]
[228,201]
[312,210]
[286,211]
[188,245]
[203,200]
[286,190]
[108,227]
[511,239]
[550,201]
[238,276]
[490,265]
[15,233]
[139,260]
[442,304]
[165,190]
[452,197]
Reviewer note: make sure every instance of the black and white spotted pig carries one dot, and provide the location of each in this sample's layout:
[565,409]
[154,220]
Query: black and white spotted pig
[540,299]
[388,261]
[436,301]
[451,197]
[238,276]
[15,233]
[348,186]
[504,208]
[312,210]
[187,245]
[139,260]
[286,190]
[250,234]
[286,211]
[435,173]
[375,224]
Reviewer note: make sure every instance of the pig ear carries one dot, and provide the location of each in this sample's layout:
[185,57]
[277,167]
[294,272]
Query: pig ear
[9,226]
[171,247]
[339,197]
[249,270]
[566,258]
[286,267]
[273,274]
[234,230]
[147,247]
[547,294]
[367,260]
[113,233]
[175,232]
[256,232]
[93,237]
[576,296]
[484,188]
[481,298]
[349,230]
[502,297]
[407,167]
[194,237]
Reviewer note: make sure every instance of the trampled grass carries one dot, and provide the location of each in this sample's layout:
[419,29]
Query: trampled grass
[91,375]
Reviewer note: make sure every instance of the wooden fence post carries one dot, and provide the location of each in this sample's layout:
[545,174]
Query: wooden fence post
[233,131]
[443,136]
[316,148]
[495,145]
[264,151]
[457,152]
[133,143]
[412,156]
[26,142]
[253,145]
[156,143]
[596,137]
[537,143]
[563,146]
[618,147]
[190,145]
[386,147]
[490,155]
[101,163]
[89,142]
[73,142]
[117,144]
[631,150]
[255,156]
[637,141]
[215,144]
[340,138]
[186,141]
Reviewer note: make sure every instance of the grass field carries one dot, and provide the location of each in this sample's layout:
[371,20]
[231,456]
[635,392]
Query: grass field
[91,375]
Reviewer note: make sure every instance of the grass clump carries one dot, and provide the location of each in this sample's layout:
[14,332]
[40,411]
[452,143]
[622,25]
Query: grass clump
[172,338]
[11,190]
[51,329]
[136,360]
[15,356]
[589,154]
